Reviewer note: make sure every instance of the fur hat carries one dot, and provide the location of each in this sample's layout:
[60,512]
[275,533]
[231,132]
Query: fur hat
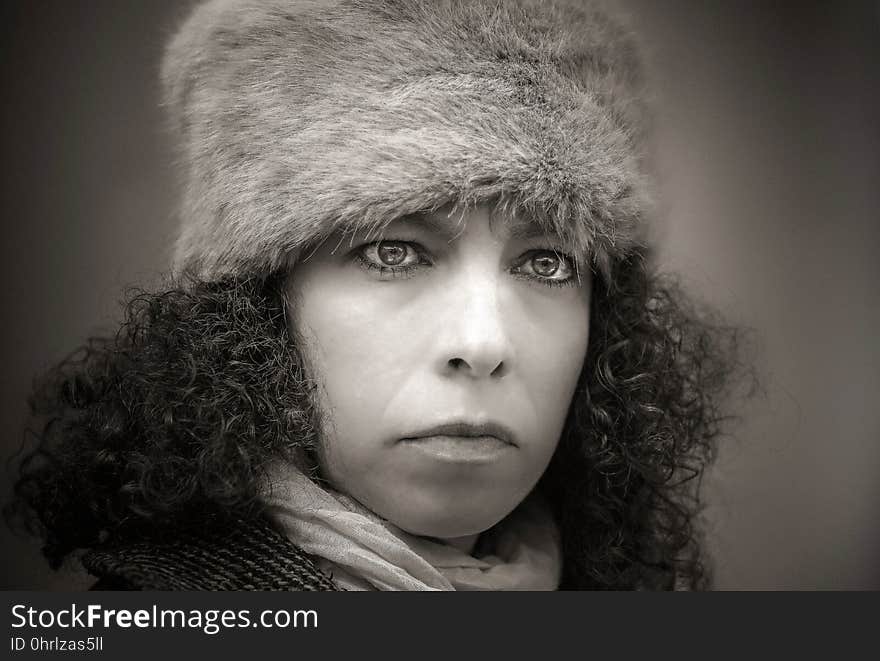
[299,118]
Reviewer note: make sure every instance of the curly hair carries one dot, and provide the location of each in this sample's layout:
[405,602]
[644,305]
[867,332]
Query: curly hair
[643,426]
[175,419]
[168,423]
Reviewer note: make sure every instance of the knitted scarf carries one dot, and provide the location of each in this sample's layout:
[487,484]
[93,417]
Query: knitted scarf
[361,551]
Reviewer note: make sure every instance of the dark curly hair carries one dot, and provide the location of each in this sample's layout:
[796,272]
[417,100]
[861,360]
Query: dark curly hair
[175,419]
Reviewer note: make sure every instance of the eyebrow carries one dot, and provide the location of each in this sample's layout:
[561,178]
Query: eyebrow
[444,226]
[448,227]
[527,229]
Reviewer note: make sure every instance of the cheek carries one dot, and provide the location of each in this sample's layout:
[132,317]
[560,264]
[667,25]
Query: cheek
[551,343]
[355,351]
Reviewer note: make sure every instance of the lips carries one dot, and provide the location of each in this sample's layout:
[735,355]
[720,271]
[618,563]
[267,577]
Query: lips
[466,430]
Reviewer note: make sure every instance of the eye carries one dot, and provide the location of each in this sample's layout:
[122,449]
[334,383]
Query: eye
[391,253]
[392,258]
[546,266]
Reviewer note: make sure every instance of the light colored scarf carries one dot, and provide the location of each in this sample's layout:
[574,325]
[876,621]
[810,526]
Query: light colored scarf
[361,551]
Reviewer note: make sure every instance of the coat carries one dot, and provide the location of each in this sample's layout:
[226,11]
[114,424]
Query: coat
[251,556]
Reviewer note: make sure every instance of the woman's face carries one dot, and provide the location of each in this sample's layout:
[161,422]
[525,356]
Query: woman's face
[447,355]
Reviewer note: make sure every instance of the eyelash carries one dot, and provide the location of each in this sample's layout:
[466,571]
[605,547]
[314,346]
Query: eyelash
[406,271]
[548,282]
[409,270]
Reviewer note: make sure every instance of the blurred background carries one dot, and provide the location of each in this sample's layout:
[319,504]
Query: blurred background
[768,135]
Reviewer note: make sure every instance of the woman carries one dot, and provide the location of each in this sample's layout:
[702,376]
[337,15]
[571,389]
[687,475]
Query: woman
[417,340]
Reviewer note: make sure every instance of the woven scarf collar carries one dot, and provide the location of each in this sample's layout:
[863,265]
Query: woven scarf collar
[361,551]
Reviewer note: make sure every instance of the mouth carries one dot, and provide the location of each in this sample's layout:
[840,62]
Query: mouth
[461,443]
[466,430]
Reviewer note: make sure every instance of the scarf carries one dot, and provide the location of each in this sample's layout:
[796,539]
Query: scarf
[362,551]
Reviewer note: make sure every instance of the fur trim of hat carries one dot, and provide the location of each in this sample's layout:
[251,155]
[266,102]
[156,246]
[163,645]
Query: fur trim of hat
[301,118]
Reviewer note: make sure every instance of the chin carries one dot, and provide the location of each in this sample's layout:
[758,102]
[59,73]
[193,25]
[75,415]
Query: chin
[447,521]
[449,527]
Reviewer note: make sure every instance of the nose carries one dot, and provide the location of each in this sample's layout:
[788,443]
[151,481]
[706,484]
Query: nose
[476,334]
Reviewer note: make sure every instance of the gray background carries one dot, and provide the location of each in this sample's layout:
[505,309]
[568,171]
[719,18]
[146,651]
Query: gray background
[769,143]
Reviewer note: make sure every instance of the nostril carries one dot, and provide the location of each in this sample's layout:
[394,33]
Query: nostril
[458,364]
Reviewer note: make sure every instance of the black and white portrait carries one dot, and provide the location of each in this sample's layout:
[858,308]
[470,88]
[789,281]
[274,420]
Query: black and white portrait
[453,295]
